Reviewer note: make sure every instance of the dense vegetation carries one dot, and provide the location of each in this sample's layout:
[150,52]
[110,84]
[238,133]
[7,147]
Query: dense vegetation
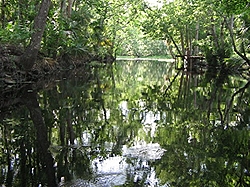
[217,29]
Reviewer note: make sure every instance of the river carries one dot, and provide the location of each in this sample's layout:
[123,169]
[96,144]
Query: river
[132,123]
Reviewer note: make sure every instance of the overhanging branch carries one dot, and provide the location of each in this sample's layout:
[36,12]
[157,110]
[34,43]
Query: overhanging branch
[230,25]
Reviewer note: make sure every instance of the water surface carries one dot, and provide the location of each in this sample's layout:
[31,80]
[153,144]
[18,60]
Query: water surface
[133,123]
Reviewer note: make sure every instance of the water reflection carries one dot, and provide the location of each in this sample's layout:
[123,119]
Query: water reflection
[25,159]
[130,124]
[29,98]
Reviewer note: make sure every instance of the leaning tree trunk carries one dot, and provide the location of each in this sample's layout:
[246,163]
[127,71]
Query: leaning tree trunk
[28,59]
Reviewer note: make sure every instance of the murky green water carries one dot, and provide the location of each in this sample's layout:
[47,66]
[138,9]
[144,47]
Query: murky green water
[129,124]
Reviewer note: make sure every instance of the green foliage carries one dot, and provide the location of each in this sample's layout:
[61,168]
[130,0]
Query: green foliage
[134,43]
[15,34]
[233,6]
[200,26]
[80,33]
[16,21]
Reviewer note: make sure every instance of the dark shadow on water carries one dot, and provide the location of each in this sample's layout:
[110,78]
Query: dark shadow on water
[29,99]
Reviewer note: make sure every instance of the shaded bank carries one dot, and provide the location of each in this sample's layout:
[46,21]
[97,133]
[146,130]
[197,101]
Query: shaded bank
[13,76]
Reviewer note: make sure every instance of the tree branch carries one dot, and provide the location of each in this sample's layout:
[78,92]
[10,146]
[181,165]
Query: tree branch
[171,83]
[230,25]
[241,90]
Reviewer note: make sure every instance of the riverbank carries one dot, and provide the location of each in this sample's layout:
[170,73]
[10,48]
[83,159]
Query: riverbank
[13,76]
[150,58]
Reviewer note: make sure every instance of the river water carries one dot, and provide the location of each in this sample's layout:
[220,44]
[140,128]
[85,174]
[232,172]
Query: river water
[133,123]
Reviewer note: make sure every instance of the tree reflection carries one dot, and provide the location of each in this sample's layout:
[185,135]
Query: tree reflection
[204,130]
[29,98]
[214,157]
[202,122]
[25,147]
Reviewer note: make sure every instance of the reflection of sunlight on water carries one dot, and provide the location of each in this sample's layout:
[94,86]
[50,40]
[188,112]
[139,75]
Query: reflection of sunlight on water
[112,170]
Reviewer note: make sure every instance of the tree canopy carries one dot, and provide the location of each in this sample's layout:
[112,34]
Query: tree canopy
[75,27]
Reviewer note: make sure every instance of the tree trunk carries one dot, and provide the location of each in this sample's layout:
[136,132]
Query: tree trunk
[3,5]
[70,3]
[66,9]
[197,30]
[63,7]
[214,34]
[182,42]
[28,59]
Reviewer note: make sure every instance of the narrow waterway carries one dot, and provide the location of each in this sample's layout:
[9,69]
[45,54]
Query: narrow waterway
[132,123]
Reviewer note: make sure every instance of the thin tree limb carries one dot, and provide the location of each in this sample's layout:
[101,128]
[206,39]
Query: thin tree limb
[230,28]
[171,83]
[241,90]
